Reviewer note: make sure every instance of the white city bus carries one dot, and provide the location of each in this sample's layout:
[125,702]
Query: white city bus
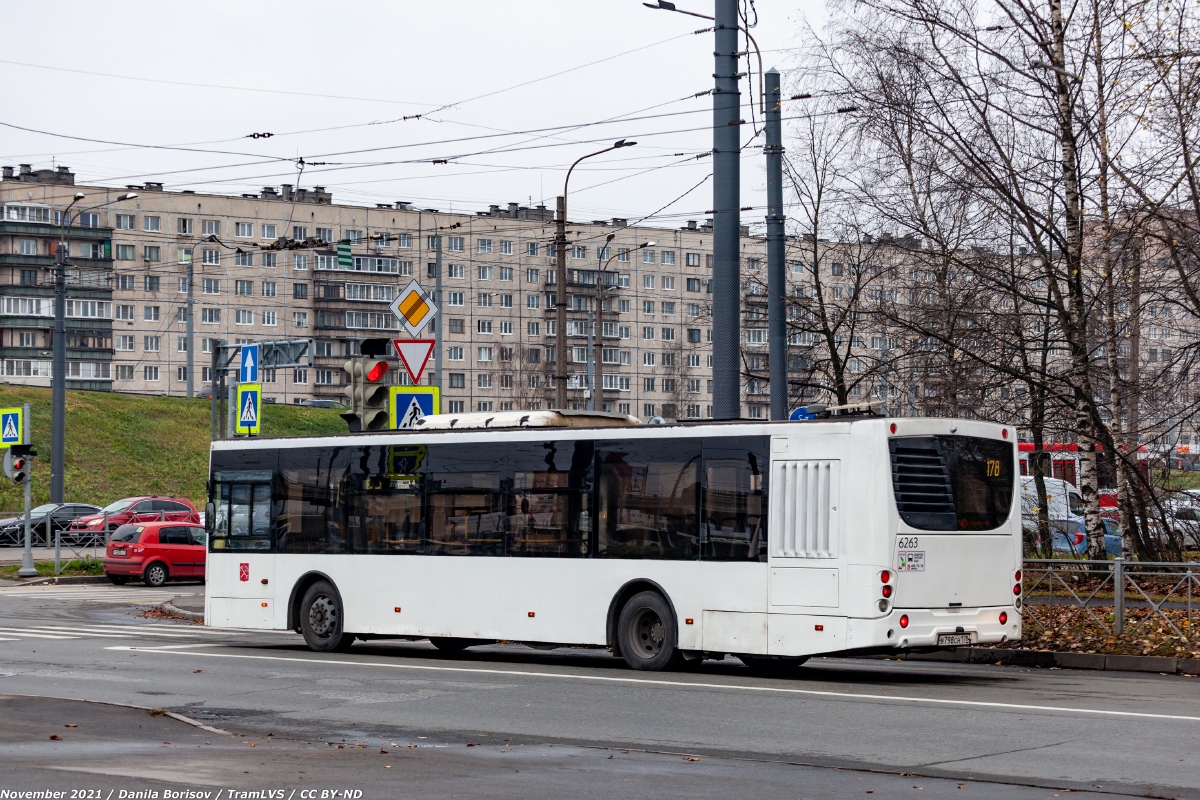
[769,541]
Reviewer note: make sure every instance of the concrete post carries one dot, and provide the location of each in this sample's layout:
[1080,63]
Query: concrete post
[727,99]
[776,274]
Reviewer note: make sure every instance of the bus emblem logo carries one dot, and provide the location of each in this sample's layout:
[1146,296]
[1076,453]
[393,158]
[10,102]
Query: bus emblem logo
[243,572]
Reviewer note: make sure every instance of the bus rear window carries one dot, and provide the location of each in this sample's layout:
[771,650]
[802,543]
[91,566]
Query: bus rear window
[952,483]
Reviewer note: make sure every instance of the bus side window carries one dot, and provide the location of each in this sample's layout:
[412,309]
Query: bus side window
[648,497]
[734,525]
[549,505]
[466,499]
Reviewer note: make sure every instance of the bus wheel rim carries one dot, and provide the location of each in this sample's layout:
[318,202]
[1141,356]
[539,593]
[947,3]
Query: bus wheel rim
[648,633]
[322,616]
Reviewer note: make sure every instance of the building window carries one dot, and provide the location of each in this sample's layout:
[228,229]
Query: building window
[150,374]
[300,319]
[150,313]
[623,254]
[209,257]
[483,380]
[244,288]
[243,259]
[210,227]
[125,372]
[269,318]
[456,271]
[456,325]
[506,328]
[88,219]
[184,226]
[483,354]
[668,283]
[484,300]
[29,247]
[210,316]
[458,380]
[244,230]
[355,237]
[455,354]
[181,344]
[483,326]
[300,377]
[691,259]
[533,275]
[324,377]
[152,283]
[648,307]
[268,232]
[181,375]
[153,225]
[668,258]
[270,260]
[531,249]
[210,285]
[123,342]
[300,262]
[299,291]
[578,251]
[124,312]
[455,407]
[484,245]
[455,299]
[648,333]
[268,288]
[268,375]
[533,328]
[299,232]
[152,253]
[150,344]
[506,248]
[29,277]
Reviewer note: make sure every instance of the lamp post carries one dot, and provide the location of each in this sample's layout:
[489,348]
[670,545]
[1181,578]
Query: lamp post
[597,355]
[58,394]
[560,243]
[190,318]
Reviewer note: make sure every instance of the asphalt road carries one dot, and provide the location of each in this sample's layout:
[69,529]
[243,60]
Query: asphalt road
[509,721]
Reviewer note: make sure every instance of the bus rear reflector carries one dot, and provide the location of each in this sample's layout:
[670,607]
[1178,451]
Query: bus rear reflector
[904,620]
[1003,617]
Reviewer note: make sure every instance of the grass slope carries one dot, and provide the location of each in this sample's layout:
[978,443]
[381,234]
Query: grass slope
[120,445]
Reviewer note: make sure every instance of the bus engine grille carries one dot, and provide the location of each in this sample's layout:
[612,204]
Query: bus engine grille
[921,481]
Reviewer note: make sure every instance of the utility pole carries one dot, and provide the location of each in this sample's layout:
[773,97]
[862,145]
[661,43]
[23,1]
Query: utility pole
[190,331]
[727,401]
[776,277]
[58,391]
[438,333]
[560,304]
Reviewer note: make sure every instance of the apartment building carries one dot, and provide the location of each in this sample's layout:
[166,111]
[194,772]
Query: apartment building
[266,266]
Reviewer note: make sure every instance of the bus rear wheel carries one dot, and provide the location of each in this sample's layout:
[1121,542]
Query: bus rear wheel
[321,620]
[646,632]
[777,667]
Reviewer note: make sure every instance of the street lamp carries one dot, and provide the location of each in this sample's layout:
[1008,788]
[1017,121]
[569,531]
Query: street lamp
[58,394]
[560,241]
[598,352]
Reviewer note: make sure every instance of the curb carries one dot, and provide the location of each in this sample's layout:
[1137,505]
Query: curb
[171,610]
[152,711]
[64,579]
[1048,658]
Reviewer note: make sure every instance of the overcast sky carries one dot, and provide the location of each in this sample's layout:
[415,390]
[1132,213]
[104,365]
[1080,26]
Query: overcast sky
[332,82]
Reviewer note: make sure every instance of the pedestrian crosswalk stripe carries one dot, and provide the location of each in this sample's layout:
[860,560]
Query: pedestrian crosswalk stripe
[25,632]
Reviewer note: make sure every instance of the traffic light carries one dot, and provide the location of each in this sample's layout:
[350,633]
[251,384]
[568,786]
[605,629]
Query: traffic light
[16,462]
[368,394]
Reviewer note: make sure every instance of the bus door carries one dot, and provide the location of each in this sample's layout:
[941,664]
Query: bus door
[238,519]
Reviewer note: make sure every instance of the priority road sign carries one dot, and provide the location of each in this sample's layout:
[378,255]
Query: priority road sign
[414,355]
[250,361]
[12,424]
[414,308]
[249,409]
[407,404]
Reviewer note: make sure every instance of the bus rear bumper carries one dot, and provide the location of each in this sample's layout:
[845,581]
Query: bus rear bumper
[905,628]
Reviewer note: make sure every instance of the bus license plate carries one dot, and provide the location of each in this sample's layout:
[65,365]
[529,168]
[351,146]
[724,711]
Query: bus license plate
[953,639]
[118,552]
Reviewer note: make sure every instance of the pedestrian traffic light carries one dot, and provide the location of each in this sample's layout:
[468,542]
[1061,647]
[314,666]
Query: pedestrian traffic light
[16,462]
[368,394]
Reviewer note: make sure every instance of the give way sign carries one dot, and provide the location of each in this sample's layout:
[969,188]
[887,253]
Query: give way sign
[414,355]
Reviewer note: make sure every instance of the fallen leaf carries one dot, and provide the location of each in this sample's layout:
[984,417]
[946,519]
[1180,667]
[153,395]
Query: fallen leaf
[55,737]
[382,750]
[70,725]
[387,766]
[470,744]
[690,758]
[197,670]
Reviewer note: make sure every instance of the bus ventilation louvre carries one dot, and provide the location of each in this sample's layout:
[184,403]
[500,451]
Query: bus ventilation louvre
[921,481]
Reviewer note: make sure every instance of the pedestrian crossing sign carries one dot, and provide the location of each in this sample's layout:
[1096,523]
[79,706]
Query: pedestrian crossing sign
[12,422]
[407,404]
[249,409]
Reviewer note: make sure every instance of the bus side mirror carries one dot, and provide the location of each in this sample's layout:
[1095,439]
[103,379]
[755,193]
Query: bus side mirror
[210,513]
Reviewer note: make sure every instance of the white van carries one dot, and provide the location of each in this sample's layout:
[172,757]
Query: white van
[1065,512]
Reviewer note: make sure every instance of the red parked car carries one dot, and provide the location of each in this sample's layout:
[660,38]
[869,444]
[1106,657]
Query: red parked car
[155,552]
[133,510]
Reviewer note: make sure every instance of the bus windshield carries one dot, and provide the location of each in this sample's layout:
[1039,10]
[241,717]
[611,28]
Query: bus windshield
[952,483]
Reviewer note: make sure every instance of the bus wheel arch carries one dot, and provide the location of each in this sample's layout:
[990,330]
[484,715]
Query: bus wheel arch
[298,592]
[626,593]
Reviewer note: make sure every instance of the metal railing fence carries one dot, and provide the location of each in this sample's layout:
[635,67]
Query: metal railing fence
[1148,589]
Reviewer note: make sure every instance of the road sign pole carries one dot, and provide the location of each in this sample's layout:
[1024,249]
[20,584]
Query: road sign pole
[28,570]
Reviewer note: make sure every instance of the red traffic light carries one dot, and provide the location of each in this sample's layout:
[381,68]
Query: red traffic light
[18,463]
[377,372]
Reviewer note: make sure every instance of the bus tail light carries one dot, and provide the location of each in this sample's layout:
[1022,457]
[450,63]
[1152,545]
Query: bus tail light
[904,620]
[887,591]
[1003,617]
[1017,576]
[885,577]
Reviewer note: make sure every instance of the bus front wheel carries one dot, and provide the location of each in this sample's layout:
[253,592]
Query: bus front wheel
[321,619]
[646,632]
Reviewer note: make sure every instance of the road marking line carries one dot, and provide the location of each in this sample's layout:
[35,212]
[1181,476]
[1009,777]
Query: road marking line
[24,632]
[128,630]
[9,640]
[73,632]
[172,630]
[680,684]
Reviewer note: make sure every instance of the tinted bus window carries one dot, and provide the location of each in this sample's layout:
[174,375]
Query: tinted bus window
[734,524]
[947,483]
[466,503]
[648,498]
[549,505]
[306,521]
